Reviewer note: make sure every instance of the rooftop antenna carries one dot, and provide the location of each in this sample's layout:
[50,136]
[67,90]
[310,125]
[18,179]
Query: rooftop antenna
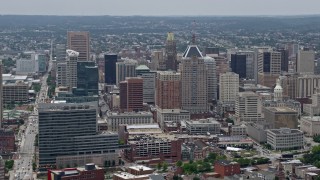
[193,32]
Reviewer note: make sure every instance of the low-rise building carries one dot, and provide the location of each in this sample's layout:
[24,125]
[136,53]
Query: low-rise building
[2,168]
[115,119]
[258,131]
[310,125]
[281,117]
[238,130]
[203,126]
[174,115]
[7,141]
[164,147]
[89,172]
[226,168]
[285,138]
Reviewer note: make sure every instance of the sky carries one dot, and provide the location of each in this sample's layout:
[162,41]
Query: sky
[160,7]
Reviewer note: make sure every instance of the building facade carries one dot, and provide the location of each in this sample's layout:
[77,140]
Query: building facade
[131,94]
[172,115]
[305,61]
[115,119]
[61,74]
[211,78]
[149,83]
[203,126]
[87,78]
[248,107]
[171,53]
[72,60]
[168,86]
[281,117]
[269,67]
[310,125]
[125,69]
[228,87]
[110,74]
[285,139]
[80,42]
[239,64]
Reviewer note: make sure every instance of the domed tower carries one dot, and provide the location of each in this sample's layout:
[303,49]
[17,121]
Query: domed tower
[277,92]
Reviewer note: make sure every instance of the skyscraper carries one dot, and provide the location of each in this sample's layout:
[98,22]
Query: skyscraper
[149,78]
[125,69]
[305,61]
[61,74]
[69,131]
[1,94]
[168,90]
[110,61]
[87,78]
[229,87]
[72,60]
[284,60]
[211,77]
[131,94]
[269,67]
[158,60]
[171,53]
[60,52]
[194,86]
[248,107]
[238,65]
[80,42]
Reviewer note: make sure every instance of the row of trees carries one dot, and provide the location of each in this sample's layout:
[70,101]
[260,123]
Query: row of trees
[163,166]
[313,157]
[254,161]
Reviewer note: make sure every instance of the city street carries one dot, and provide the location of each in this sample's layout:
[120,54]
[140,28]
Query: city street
[23,165]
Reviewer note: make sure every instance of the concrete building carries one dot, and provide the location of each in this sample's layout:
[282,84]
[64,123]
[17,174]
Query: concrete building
[158,60]
[156,147]
[238,130]
[168,86]
[248,107]
[307,85]
[269,67]
[131,94]
[124,69]
[211,78]
[72,60]
[149,83]
[305,61]
[314,108]
[2,168]
[310,125]
[80,42]
[171,53]
[194,84]
[61,74]
[7,141]
[281,117]
[115,119]
[285,138]
[72,130]
[173,115]
[26,66]
[110,74]
[203,126]
[228,88]
[15,92]
[257,131]
[88,172]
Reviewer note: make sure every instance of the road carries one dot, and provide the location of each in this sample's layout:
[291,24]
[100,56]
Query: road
[23,165]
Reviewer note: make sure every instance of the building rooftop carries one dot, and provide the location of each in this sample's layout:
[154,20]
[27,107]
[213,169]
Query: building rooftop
[144,129]
[203,121]
[280,109]
[125,175]
[140,168]
[191,51]
[225,162]
[173,111]
[311,118]
[142,67]
[134,139]
[284,131]
[130,113]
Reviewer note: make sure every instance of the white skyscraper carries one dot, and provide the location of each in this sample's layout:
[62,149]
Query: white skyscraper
[211,77]
[248,107]
[229,87]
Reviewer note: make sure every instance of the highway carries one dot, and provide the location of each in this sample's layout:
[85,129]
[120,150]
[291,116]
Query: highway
[23,165]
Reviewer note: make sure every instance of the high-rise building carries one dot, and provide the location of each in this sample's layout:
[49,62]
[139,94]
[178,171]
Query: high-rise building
[60,52]
[211,77]
[80,42]
[149,83]
[131,94]
[239,64]
[61,74]
[171,53]
[110,61]
[125,69]
[158,60]
[305,61]
[69,131]
[41,59]
[87,78]
[284,60]
[72,59]
[168,90]
[228,87]
[1,94]
[269,67]
[194,85]
[248,107]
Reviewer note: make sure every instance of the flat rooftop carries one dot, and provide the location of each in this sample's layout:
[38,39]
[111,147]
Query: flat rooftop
[284,131]
[281,109]
[309,118]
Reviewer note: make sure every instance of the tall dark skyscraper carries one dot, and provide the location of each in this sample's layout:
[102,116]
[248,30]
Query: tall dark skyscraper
[238,65]
[284,59]
[110,68]
[171,53]
[87,78]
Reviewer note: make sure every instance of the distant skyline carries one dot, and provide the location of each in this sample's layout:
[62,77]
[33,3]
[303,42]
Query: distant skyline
[160,7]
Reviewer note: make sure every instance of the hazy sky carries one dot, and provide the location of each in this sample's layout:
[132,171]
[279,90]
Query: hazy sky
[160,7]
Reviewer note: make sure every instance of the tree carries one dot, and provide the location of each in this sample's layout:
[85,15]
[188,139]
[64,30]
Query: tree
[159,166]
[316,138]
[179,163]
[9,164]
[34,166]
[164,166]
[228,120]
